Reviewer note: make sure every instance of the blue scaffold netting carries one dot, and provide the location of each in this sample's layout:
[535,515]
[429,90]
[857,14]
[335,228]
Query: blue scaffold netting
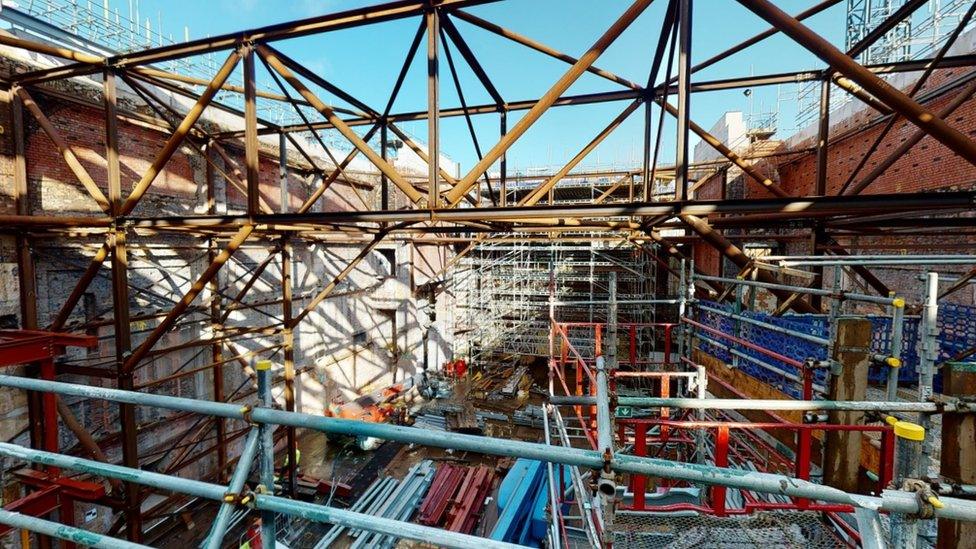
[957,334]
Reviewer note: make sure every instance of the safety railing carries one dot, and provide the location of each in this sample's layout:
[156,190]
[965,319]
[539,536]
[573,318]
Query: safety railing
[652,436]
[893,501]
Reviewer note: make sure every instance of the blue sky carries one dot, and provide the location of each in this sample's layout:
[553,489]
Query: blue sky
[364,61]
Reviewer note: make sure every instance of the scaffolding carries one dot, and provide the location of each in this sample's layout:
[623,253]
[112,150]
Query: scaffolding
[593,230]
[915,37]
[506,289]
[795,354]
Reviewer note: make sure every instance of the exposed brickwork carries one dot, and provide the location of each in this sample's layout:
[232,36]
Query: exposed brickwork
[929,166]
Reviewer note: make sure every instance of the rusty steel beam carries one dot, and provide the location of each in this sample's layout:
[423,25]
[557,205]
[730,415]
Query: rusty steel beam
[558,88]
[670,248]
[7,39]
[405,67]
[182,373]
[235,179]
[281,65]
[958,284]
[288,351]
[433,109]
[652,173]
[464,105]
[421,153]
[26,273]
[252,159]
[667,30]
[732,252]
[916,88]
[216,328]
[182,78]
[729,154]
[308,123]
[470,58]
[842,63]
[899,152]
[267,125]
[865,273]
[367,111]
[772,31]
[255,275]
[132,503]
[160,330]
[125,381]
[543,188]
[292,29]
[629,95]
[546,186]
[176,139]
[65,150]
[80,287]
[683,114]
[670,16]
[782,208]
[610,190]
[540,47]
[334,283]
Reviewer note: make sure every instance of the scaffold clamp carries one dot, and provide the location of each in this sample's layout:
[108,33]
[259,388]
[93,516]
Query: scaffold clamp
[246,411]
[928,502]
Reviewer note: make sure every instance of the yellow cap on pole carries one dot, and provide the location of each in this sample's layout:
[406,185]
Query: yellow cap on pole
[263,365]
[906,429]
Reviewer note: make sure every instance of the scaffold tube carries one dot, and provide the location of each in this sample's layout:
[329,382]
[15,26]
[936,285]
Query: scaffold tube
[64,532]
[244,465]
[893,501]
[803,290]
[215,492]
[766,326]
[762,404]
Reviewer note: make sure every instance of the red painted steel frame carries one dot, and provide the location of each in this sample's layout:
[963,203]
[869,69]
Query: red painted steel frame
[722,447]
[53,491]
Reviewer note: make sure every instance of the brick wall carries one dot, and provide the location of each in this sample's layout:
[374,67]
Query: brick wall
[929,166]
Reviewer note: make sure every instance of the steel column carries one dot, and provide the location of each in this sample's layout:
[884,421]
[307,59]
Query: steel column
[288,350]
[684,99]
[252,161]
[120,308]
[433,107]
[26,275]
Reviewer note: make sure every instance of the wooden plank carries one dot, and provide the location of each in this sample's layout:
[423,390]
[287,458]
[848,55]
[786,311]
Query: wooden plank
[958,450]
[842,457]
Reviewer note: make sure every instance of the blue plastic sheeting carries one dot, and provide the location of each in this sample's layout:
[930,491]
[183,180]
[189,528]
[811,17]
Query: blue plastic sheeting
[516,497]
[540,522]
[522,500]
[957,333]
